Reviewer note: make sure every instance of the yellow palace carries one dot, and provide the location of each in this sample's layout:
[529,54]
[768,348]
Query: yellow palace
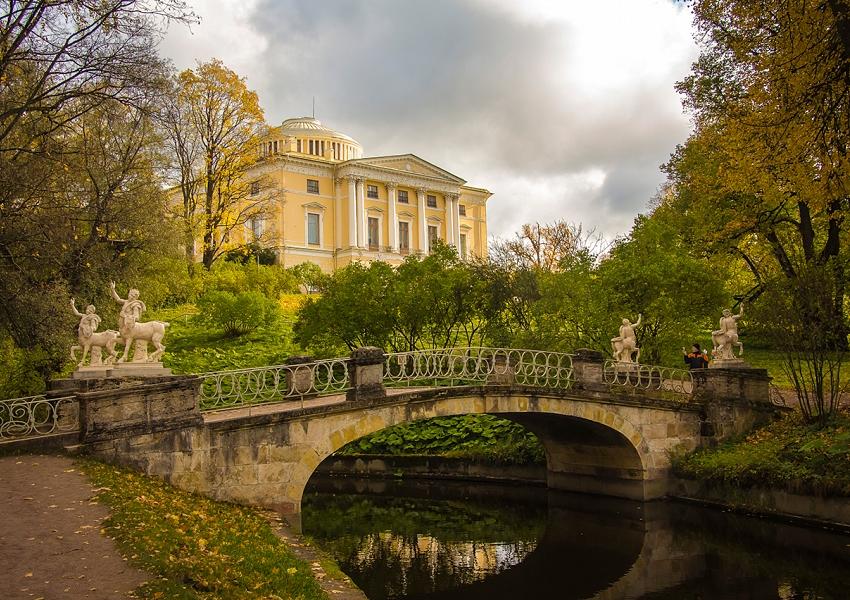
[329,205]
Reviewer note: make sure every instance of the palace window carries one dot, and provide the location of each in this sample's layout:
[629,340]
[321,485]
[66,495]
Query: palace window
[255,226]
[461,210]
[298,145]
[432,201]
[404,237]
[463,254]
[374,233]
[433,236]
[402,197]
[275,146]
[312,186]
[371,191]
[255,188]
[313,231]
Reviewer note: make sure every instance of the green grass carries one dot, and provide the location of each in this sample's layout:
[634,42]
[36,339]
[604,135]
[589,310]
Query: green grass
[192,347]
[788,454]
[197,548]
[772,360]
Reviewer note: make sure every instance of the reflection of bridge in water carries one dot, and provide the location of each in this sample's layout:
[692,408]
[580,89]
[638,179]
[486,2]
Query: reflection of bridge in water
[257,435]
[590,547]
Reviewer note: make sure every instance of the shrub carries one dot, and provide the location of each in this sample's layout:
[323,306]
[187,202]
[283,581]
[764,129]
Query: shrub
[237,314]
[271,281]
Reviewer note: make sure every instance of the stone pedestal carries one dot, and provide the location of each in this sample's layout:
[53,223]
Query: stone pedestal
[111,409]
[729,363]
[587,367]
[503,373]
[92,372]
[139,369]
[299,379]
[740,383]
[366,373]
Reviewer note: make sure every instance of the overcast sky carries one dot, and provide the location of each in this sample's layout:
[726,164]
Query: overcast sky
[564,109]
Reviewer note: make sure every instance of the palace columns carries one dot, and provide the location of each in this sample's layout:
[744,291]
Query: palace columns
[361,215]
[456,219]
[352,212]
[422,247]
[393,224]
[450,228]
[337,213]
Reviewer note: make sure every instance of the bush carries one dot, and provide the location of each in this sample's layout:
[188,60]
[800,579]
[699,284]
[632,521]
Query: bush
[253,253]
[270,281]
[237,314]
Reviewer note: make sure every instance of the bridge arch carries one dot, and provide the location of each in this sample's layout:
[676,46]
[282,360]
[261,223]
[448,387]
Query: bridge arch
[590,446]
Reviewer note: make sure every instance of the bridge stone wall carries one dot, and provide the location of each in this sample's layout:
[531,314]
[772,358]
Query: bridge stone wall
[596,440]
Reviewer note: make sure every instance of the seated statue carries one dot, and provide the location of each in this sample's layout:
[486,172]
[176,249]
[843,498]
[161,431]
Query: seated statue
[625,345]
[727,336]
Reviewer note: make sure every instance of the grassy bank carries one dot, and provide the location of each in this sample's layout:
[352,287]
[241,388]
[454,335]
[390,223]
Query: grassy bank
[787,454]
[197,548]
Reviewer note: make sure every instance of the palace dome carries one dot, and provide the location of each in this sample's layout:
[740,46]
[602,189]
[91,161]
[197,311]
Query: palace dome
[305,130]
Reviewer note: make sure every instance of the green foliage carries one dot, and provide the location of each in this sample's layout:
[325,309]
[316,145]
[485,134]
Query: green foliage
[481,437]
[309,275]
[237,314]
[788,454]
[271,281]
[196,547]
[433,302]
[20,370]
[253,253]
[195,348]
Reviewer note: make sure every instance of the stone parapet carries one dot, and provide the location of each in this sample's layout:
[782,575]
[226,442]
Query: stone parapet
[587,367]
[109,411]
[366,374]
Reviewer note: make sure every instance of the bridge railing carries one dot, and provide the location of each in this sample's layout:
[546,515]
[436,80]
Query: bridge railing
[666,381]
[37,416]
[475,365]
[245,387]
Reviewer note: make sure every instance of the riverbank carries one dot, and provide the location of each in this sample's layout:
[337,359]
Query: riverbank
[195,547]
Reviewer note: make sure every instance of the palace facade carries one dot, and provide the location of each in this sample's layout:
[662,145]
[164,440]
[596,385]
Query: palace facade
[329,205]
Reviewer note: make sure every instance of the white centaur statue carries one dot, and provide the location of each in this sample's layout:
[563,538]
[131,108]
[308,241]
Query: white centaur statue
[132,330]
[625,345]
[727,336]
[91,340]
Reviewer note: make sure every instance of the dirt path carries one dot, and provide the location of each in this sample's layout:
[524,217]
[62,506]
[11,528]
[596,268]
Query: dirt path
[50,541]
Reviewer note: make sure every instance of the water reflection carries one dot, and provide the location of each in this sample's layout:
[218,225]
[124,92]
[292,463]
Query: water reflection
[442,541]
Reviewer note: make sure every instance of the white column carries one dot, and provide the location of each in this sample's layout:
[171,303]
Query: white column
[337,214]
[450,228]
[423,230]
[456,219]
[352,213]
[361,215]
[393,224]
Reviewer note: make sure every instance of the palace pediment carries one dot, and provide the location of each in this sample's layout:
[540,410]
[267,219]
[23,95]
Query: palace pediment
[410,164]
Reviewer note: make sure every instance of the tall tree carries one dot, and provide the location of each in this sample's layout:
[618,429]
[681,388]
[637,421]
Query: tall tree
[77,186]
[768,163]
[214,125]
[547,247]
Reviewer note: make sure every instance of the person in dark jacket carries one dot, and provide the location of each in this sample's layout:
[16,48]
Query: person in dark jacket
[696,358]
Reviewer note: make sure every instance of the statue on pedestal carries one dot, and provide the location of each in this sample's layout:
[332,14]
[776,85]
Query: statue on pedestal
[133,331]
[625,345]
[727,336]
[91,340]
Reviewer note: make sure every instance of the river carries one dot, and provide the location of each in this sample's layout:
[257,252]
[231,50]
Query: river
[440,540]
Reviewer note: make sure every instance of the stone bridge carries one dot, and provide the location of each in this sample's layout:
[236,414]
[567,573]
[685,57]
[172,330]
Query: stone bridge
[256,436]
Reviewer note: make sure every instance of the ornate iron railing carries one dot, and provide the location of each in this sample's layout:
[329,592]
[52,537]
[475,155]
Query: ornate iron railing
[668,381]
[37,416]
[245,387]
[465,366]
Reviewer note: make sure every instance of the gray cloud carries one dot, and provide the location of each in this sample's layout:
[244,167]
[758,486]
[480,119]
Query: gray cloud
[477,91]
